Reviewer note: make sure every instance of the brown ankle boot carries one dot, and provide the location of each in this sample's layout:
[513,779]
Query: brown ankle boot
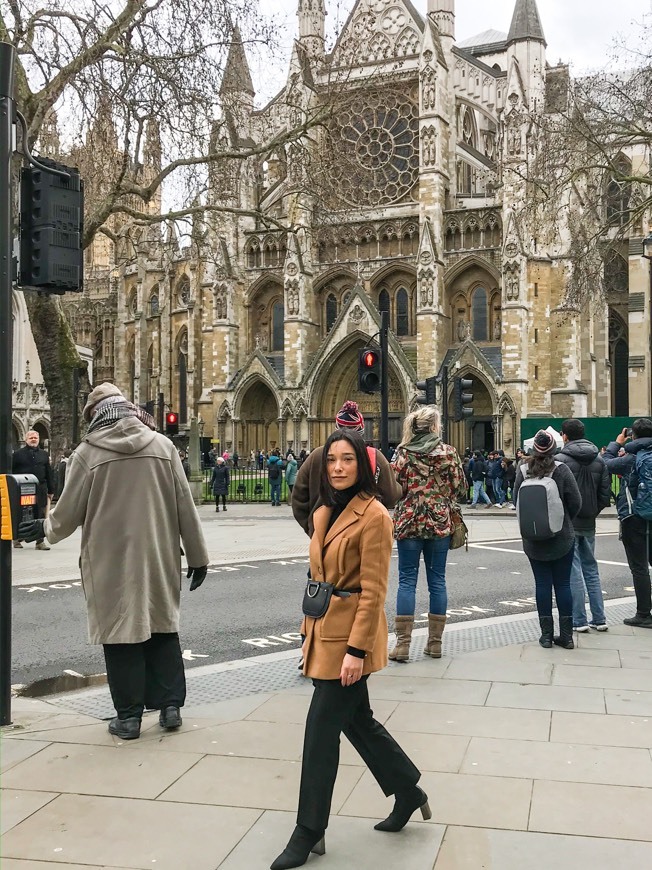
[403,626]
[436,625]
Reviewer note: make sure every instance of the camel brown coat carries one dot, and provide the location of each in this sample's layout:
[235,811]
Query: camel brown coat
[305,493]
[353,554]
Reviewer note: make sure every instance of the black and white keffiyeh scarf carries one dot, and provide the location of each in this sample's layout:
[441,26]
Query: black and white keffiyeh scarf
[109,411]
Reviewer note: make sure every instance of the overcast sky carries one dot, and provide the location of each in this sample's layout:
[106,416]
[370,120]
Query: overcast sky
[582,32]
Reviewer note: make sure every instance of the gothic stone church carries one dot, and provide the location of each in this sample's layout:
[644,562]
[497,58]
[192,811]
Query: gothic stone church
[260,334]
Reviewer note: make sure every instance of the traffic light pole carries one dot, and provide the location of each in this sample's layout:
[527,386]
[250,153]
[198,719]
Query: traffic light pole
[384,384]
[444,405]
[7,57]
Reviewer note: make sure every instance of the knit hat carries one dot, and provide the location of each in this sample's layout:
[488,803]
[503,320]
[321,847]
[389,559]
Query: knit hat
[544,443]
[101,392]
[349,417]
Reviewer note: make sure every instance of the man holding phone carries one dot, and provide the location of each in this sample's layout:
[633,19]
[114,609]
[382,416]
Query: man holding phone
[630,456]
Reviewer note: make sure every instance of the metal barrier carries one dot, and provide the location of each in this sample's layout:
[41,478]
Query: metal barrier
[246,485]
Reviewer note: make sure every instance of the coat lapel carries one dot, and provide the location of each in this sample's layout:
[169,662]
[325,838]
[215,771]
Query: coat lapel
[320,520]
[351,514]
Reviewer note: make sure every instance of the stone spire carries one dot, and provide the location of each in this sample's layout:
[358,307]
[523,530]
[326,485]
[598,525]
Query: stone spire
[237,77]
[526,23]
[312,25]
[443,11]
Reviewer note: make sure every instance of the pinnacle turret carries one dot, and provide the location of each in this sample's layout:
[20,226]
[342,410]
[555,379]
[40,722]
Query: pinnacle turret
[526,23]
[237,77]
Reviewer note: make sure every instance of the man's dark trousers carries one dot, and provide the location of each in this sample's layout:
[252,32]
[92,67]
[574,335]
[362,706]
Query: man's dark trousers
[637,541]
[336,709]
[148,674]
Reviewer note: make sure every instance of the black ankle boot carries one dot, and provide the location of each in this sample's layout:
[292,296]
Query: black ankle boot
[302,842]
[406,803]
[565,636]
[547,627]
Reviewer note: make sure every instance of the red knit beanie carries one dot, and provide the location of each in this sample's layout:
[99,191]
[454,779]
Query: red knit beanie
[349,417]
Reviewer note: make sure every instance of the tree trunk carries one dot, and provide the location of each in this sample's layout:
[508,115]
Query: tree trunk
[59,361]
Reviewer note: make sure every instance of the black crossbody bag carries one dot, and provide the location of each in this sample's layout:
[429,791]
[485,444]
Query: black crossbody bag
[317,596]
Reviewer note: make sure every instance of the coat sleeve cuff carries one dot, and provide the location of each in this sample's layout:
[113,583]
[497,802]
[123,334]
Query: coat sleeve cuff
[354,651]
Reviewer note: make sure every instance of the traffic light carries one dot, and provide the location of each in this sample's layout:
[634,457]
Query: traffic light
[172,423]
[462,398]
[428,388]
[51,227]
[369,370]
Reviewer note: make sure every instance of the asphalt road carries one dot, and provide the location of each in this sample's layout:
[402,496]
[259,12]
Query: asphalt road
[245,610]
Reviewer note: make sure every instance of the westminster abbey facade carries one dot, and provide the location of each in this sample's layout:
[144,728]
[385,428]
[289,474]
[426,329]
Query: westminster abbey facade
[257,329]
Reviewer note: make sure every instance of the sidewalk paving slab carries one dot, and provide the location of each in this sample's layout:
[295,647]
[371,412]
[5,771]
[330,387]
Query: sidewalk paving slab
[531,758]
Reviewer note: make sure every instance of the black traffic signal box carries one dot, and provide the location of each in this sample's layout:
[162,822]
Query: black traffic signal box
[172,423]
[51,227]
[462,398]
[428,389]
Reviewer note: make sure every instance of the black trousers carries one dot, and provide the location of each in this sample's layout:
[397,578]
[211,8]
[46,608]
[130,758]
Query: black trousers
[637,541]
[217,500]
[148,674]
[336,709]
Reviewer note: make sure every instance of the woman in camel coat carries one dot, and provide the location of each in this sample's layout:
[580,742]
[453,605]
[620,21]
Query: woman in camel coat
[351,549]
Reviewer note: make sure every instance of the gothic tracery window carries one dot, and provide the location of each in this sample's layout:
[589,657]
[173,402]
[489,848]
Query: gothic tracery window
[402,312]
[183,291]
[372,150]
[479,315]
[278,316]
[331,311]
[616,274]
[619,359]
[618,193]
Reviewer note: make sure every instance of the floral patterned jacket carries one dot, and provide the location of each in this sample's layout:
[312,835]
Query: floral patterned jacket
[431,481]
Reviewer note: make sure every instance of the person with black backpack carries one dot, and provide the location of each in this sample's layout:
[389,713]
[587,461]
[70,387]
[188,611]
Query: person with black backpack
[547,501]
[594,482]
[630,456]
[478,468]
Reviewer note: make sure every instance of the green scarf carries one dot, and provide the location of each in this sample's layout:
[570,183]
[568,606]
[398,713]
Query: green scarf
[423,442]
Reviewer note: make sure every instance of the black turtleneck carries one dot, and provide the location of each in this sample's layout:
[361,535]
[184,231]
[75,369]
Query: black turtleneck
[339,502]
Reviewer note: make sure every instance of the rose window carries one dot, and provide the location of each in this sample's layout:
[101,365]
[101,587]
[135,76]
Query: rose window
[374,155]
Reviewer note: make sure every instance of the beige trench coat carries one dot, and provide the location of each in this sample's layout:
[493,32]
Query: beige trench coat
[126,488]
[354,553]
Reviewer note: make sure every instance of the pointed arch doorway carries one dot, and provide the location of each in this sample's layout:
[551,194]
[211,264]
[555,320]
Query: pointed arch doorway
[259,413]
[479,432]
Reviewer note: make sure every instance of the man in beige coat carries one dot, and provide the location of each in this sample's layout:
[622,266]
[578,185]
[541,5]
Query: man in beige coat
[126,488]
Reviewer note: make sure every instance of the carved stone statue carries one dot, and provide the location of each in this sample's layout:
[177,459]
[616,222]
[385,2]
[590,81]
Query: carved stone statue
[429,89]
[292,290]
[426,288]
[462,329]
[514,140]
[429,146]
[498,327]
[220,302]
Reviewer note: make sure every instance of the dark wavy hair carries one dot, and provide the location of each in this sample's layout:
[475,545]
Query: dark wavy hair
[540,466]
[365,481]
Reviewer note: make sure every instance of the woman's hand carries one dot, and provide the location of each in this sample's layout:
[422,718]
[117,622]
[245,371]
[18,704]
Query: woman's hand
[351,670]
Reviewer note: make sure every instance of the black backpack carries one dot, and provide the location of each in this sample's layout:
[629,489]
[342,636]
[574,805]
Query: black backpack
[589,492]
[275,471]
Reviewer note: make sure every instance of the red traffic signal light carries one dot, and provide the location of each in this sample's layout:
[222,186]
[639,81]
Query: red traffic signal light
[369,370]
[171,423]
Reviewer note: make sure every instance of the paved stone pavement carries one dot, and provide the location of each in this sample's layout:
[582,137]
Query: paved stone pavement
[532,759]
[253,531]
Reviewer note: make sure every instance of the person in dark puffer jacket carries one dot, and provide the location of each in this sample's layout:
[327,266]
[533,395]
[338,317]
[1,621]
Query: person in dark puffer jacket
[580,455]
[551,560]
[635,531]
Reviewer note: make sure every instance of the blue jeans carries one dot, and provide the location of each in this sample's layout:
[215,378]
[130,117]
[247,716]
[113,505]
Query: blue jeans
[501,495]
[555,573]
[435,552]
[478,492]
[276,492]
[585,573]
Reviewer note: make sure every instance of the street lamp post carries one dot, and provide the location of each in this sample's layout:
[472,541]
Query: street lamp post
[647,253]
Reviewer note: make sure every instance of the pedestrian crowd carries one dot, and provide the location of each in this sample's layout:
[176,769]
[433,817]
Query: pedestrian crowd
[126,486]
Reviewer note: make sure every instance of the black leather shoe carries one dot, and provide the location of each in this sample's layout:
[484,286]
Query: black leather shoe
[302,842]
[125,729]
[641,620]
[405,804]
[170,718]
[547,631]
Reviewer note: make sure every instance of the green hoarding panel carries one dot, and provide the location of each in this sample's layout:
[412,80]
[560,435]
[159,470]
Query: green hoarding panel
[599,430]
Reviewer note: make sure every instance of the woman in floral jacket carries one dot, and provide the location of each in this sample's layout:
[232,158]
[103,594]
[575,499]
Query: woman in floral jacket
[432,477]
